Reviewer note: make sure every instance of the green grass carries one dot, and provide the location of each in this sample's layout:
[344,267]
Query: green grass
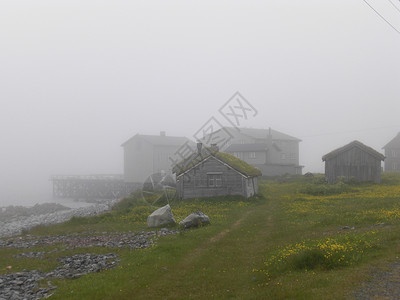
[286,243]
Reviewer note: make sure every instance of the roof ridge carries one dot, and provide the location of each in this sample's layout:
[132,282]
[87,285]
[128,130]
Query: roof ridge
[232,161]
[354,143]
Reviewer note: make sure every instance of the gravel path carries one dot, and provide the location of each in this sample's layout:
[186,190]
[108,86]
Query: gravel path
[381,284]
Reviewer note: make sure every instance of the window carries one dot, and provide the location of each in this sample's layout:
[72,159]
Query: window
[252,155]
[201,180]
[214,180]
[283,156]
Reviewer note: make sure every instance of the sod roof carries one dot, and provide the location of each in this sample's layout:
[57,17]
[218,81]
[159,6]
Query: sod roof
[234,162]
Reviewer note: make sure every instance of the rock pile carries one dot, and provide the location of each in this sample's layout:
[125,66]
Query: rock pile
[132,240]
[24,285]
[80,264]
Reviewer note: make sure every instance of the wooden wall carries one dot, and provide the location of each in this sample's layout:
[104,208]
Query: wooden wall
[354,163]
[194,183]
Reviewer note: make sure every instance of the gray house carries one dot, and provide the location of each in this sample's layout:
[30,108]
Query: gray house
[353,161]
[145,155]
[392,153]
[210,173]
[271,151]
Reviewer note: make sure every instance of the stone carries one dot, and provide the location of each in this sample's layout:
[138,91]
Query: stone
[195,219]
[160,217]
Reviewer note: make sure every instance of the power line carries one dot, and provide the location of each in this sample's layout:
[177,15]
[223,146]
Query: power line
[394,28]
[394,5]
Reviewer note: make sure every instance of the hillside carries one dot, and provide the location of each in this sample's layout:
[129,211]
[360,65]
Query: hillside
[299,239]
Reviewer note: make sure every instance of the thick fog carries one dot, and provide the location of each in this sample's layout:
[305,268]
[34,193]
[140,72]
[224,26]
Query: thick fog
[78,78]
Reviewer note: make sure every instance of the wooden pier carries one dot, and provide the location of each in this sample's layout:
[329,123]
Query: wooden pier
[85,187]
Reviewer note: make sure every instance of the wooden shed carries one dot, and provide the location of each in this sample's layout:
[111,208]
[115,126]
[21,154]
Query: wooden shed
[209,173]
[353,161]
[392,153]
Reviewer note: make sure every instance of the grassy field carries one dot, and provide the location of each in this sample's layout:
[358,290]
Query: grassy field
[299,239]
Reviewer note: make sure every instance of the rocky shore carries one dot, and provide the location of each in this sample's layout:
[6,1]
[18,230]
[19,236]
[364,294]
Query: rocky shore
[33,284]
[13,220]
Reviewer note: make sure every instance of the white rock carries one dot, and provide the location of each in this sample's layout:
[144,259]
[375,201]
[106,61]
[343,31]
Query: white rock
[160,217]
[195,219]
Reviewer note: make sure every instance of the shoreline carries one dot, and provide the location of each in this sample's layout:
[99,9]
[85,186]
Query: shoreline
[16,225]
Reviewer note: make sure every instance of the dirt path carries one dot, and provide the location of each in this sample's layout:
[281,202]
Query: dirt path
[383,284]
[198,251]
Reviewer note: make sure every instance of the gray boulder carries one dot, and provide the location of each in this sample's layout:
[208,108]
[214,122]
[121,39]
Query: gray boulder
[195,219]
[160,217]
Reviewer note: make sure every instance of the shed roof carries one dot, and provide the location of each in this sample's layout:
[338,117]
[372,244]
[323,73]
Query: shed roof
[352,145]
[159,140]
[232,161]
[394,143]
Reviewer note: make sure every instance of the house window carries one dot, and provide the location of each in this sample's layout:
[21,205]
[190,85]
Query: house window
[214,180]
[283,156]
[201,181]
[252,155]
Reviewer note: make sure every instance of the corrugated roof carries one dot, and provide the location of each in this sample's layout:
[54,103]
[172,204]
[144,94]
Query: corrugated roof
[263,134]
[250,147]
[234,162]
[160,140]
[258,133]
[351,145]
[394,143]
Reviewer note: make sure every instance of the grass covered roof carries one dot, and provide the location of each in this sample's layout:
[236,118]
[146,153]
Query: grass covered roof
[234,162]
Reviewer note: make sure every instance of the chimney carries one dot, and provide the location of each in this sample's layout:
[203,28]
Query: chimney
[162,133]
[199,146]
[214,147]
[269,137]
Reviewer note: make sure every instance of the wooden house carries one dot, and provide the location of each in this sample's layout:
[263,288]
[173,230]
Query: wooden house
[145,155]
[209,172]
[353,161]
[392,153]
[273,152]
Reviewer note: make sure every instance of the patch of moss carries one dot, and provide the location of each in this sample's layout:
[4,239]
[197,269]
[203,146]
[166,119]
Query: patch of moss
[236,163]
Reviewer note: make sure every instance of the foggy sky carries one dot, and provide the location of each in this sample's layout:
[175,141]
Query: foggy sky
[78,78]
